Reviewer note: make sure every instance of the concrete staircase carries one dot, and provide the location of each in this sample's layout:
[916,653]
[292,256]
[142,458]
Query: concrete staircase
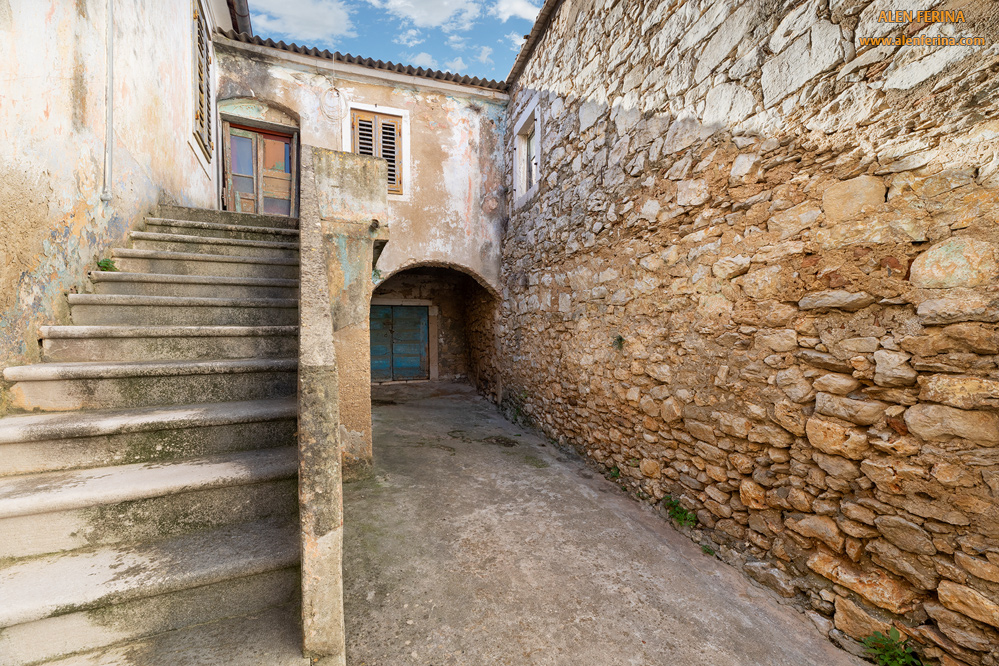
[148,493]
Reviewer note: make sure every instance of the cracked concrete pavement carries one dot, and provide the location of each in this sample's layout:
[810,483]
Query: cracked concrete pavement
[477,543]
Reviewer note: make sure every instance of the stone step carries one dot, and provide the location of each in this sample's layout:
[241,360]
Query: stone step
[63,511]
[124,310]
[139,343]
[272,597]
[100,438]
[225,217]
[69,386]
[144,240]
[39,588]
[206,286]
[220,230]
[194,263]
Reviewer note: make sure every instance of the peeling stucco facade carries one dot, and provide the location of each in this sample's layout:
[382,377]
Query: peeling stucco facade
[52,127]
[451,211]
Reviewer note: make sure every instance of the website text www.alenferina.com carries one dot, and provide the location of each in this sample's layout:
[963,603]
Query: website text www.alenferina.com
[935,16]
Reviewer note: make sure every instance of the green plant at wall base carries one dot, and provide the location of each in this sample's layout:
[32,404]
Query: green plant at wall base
[891,650]
[680,515]
[707,550]
[107,265]
[614,473]
[618,342]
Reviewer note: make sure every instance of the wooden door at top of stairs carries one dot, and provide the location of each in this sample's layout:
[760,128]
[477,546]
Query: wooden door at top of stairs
[259,171]
[400,342]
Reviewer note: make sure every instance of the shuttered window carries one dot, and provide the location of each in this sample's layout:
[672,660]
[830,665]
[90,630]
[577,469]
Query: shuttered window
[379,135]
[202,82]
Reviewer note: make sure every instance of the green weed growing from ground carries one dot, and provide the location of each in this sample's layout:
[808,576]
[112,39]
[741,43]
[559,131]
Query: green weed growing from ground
[678,514]
[107,265]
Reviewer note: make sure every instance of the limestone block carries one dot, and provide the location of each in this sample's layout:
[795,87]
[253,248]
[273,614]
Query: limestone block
[861,412]
[837,466]
[906,565]
[906,535]
[793,221]
[959,308]
[836,439]
[961,629]
[727,268]
[879,588]
[727,104]
[960,391]
[779,341]
[906,73]
[682,134]
[968,601]
[939,424]
[836,298]
[792,381]
[836,384]
[856,622]
[650,468]
[822,528]
[773,435]
[728,36]
[812,53]
[742,167]
[794,24]
[977,567]
[893,369]
[956,262]
[671,410]
[848,199]
[772,577]
[692,192]
[752,494]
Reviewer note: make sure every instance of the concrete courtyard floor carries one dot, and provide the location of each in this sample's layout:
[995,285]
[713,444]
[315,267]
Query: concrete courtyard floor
[475,543]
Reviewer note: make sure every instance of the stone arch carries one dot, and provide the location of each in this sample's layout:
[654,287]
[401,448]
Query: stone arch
[429,263]
[463,310]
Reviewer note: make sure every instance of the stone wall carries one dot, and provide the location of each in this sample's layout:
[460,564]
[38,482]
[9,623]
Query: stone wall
[761,276]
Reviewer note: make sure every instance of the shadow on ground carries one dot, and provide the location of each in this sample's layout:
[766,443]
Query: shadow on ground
[475,543]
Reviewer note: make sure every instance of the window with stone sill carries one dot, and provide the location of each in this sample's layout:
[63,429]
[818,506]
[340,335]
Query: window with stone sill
[527,150]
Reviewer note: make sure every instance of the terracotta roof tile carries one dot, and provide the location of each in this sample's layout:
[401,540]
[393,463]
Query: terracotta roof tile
[349,59]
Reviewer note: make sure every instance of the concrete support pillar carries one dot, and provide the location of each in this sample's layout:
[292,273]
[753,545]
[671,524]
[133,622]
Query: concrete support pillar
[343,210]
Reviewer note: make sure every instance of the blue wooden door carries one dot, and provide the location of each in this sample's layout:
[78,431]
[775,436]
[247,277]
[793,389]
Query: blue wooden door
[381,343]
[400,337]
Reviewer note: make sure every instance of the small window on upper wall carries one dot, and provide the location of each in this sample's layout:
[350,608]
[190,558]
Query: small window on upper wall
[379,135]
[527,151]
[202,81]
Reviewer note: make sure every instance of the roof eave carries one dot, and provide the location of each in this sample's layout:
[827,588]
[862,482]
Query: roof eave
[541,24]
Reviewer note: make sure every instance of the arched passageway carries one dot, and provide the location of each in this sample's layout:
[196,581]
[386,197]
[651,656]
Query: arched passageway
[433,323]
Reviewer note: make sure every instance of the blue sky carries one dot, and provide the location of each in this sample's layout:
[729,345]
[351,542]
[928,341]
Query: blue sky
[474,37]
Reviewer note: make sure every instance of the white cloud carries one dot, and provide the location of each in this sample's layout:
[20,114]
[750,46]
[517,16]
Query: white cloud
[445,14]
[515,40]
[456,65]
[410,38]
[457,43]
[484,54]
[302,20]
[507,9]
[422,59]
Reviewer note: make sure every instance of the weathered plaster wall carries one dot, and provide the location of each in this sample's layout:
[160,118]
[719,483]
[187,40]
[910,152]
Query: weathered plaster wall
[761,275]
[52,130]
[451,210]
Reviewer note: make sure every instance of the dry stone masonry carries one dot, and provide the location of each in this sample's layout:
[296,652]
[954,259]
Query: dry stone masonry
[761,276]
